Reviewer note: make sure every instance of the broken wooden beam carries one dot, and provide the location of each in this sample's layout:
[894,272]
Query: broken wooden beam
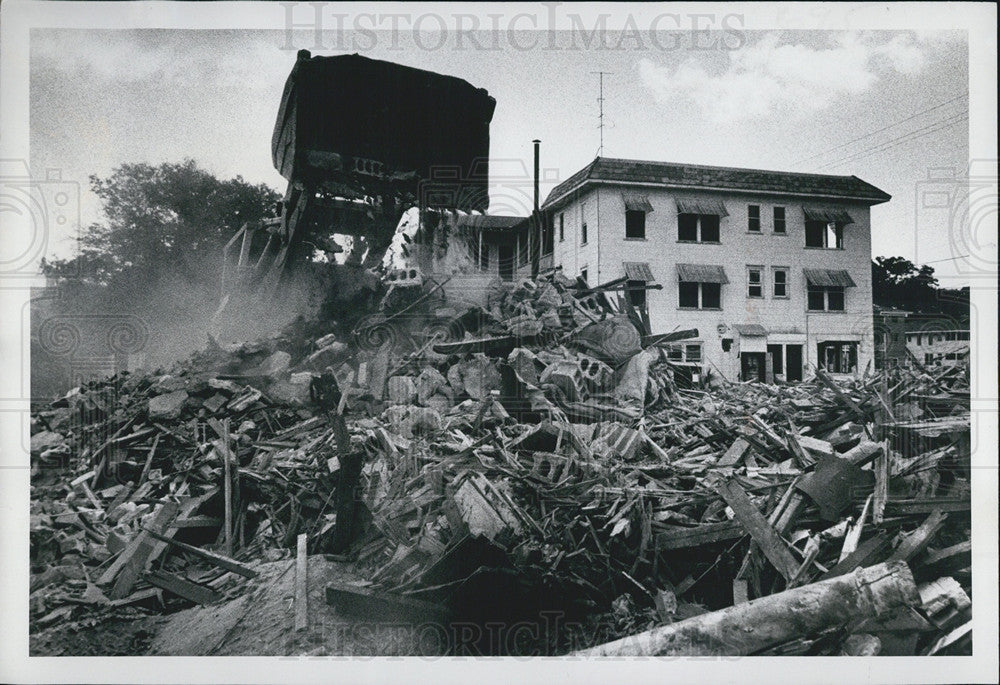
[373,606]
[182,587]
[705,534]
[131,562]
[918,540]
[751,627]
[217,559]
[866,554]
[301,584]
[770,543]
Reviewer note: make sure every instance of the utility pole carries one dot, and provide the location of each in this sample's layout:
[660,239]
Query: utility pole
[600,107]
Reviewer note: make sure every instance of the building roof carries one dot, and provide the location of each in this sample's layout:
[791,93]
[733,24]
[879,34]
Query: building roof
[607,170]
[491,222]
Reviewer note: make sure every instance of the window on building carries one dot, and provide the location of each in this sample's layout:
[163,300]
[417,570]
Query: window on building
[693,295]
[583,233]
[698,228]
[635,224]
[688,295]
[779,220]
[780,281]
[838,356]
[635,291]
[562,227]
[825,298]
[691,352]
[963,335]
[753,216]
[755,281]
[928,358]
[822,234]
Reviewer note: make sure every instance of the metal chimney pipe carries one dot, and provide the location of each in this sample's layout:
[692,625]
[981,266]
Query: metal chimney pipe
[537,143]
[535,241]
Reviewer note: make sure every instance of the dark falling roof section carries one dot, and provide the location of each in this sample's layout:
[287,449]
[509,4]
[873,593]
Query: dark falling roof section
[695,176]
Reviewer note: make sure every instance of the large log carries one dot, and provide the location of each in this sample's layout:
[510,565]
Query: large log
[753,626]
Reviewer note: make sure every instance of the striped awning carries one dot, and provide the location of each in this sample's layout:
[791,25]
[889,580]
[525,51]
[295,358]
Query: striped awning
[829,277]
[701,273]
[688,206]
[827,215]
[750,330]
[638,271]
[636,203]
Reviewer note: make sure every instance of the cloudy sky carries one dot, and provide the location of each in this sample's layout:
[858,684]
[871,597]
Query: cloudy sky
[889,107]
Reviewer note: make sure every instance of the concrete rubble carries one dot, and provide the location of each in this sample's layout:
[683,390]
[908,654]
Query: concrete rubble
[548,457]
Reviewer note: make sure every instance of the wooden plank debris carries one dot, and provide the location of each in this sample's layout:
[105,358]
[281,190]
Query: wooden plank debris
[771,544]
[301,584]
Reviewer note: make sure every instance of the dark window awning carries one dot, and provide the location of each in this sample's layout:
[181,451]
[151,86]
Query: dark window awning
[829,277]
[636,203]
[638,271]
[828,214]
[688,206]
[701,273]
[750,330]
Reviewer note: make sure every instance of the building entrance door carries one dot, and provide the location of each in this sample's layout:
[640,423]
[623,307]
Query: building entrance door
[753,366]
[793,362]
[505,258]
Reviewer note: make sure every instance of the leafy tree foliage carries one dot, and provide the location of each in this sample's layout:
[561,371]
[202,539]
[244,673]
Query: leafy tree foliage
[166,220]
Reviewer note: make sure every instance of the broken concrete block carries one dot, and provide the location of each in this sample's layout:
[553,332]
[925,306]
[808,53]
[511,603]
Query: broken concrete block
[523,361]
[45,440]
[566,376]
[420,420]
[326,340]
[215,402]
[428,383]
[275,365]
[524,326]
[167,407]
[635,378]
[402,390]
[439,403]
[479,376]
[596,374]
[224,386]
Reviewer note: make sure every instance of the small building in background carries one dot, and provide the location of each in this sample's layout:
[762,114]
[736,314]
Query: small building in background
[890,337]
[933,346]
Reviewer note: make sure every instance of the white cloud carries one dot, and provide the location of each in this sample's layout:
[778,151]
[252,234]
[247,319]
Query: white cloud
[768,78]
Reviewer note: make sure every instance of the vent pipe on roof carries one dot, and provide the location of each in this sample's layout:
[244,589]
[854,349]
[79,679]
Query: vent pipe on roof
[537,144]
[535,236]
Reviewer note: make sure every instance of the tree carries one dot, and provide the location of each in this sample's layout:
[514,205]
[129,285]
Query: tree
[154,260]
[898,282]
[170,220]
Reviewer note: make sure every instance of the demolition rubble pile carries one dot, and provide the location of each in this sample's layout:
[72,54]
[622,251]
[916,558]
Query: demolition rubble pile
[552,458]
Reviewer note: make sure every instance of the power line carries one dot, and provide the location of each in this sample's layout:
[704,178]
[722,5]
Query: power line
[884,128]
[905,138]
